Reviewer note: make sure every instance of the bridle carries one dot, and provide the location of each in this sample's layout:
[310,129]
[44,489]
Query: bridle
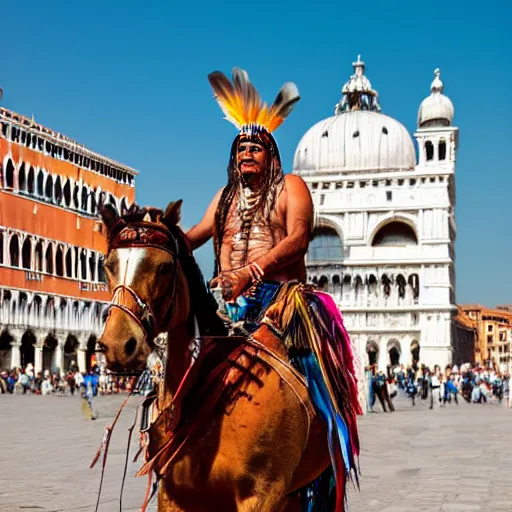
[145,235]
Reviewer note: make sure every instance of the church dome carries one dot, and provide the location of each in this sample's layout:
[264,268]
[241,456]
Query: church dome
[437,109]
[358,137]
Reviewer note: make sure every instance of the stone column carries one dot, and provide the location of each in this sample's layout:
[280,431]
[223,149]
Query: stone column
[58,355]
[15,354]
[16,334]
[38,359]
[383,356]
[82,363]
[38,350]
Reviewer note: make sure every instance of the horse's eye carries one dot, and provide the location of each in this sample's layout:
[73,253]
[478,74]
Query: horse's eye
[165,268]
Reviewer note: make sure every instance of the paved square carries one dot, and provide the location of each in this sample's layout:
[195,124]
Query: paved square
[414,460]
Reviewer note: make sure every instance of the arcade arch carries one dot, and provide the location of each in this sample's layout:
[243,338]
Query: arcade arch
[5,350]
[49,348]
[27,350]
[395,234]
[415,352]
[394,352]
[70,352]
[90,351]
[372,350]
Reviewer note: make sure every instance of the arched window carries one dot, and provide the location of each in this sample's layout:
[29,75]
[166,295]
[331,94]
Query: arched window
[9,174]
[373,284]
[442,149]
[14,251]
[93,204]
[59,262]
[386,285]
[323,283]
[40,183]
[39,257]
[77,262]
[395,234]
[124,206]
[67,193]
[414,283]
[84,198]
[31,181]
[76,200]
[83,265]
[325,246]
[49,259]
[92,266]
[58,190]
[429,150]
[102,278]
[26,254]
[101,200]
[48,190]
[69,264]
[22,179]
[401,282]
[36,306]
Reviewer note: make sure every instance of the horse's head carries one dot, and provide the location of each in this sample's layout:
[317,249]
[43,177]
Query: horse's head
[142,267]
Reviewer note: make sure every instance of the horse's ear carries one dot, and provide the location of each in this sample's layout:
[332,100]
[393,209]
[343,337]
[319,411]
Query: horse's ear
[172,214]
[109,216]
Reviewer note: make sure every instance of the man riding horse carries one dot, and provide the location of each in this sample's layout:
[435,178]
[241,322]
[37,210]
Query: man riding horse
[261,223]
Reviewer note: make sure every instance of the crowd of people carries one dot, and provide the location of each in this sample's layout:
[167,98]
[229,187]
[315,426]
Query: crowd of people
[473,383]
[26,380]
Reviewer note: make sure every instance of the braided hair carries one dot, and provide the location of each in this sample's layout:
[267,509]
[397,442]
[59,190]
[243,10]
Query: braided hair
[273,180]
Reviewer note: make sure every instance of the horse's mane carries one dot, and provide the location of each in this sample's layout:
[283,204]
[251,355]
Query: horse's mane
[203,303]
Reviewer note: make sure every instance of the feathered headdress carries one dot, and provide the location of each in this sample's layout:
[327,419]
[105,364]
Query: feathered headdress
[243,106]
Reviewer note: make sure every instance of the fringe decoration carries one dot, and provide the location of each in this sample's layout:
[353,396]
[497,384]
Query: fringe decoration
[319,345]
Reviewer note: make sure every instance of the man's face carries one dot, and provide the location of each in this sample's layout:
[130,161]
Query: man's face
[251,158]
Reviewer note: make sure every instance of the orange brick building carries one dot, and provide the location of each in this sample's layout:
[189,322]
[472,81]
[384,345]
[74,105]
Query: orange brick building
[53,292]
[494,334]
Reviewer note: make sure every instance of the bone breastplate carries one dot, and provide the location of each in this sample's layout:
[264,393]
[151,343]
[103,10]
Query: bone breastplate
[248,235]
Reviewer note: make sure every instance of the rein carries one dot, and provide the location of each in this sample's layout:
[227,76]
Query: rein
[143,235]
[126,299]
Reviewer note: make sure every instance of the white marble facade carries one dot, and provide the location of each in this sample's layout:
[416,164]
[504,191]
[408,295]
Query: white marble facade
[52,332]
[385,225]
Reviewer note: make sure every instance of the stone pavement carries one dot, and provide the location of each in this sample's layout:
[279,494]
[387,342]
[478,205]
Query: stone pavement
[414,460]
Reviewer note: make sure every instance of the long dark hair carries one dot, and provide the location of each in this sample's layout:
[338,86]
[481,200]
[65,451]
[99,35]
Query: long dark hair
[270,188]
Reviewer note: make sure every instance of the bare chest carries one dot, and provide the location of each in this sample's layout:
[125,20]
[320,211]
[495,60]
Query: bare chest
[246,238]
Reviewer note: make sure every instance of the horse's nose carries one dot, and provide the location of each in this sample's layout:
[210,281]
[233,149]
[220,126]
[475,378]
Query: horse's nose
[130,346]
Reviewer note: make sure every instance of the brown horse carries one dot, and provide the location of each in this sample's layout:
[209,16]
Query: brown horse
[235,433]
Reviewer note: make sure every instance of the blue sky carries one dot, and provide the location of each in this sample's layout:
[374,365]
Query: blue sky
[128,79]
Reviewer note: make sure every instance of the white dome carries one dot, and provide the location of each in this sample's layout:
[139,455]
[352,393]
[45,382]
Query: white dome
[359,140]
[437,109]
